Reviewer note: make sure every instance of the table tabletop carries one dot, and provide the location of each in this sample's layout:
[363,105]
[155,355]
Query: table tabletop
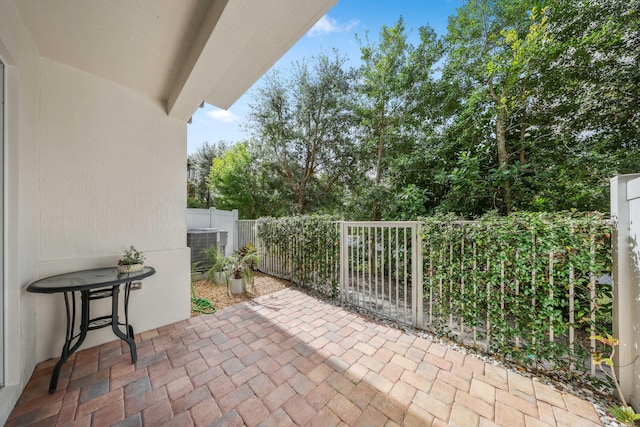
[86,280]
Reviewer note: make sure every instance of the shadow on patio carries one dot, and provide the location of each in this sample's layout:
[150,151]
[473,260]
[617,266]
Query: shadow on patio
[289,359]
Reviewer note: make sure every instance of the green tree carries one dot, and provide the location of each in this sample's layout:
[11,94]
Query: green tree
[200,164]
[304,127]
[236,183]
[395,81]
[491,65]
[587,106]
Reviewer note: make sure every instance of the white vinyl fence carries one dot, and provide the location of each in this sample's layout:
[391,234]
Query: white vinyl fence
[246,232]
[217,219]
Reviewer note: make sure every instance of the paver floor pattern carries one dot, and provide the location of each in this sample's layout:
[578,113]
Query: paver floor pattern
[289,359]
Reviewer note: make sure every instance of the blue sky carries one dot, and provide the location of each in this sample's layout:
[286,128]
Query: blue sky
[336,29]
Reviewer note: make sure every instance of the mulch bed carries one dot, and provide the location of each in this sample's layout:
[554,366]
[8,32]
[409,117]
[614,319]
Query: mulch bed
[217,294]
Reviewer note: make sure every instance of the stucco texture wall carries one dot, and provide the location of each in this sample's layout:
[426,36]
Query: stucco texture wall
[21,225]
[112,168]
[112,174]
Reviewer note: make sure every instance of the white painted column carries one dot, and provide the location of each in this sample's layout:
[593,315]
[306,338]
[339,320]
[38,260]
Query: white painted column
[626,284]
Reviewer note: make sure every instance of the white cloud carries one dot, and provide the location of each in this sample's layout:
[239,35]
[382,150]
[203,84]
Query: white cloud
[327,25]
[225,116]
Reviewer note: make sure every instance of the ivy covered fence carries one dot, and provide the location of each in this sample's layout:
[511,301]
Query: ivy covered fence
[530,287]
[303,249]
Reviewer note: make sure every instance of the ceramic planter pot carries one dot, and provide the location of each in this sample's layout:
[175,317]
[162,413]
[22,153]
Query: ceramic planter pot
[236,286]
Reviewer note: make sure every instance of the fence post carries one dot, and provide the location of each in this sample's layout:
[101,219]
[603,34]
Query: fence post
[344,248]
[234,213]
[416,275]
[625,295]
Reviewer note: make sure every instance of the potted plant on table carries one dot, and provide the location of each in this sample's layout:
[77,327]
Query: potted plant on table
[133,260]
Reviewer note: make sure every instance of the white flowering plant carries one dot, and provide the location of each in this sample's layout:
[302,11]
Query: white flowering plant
[131,256]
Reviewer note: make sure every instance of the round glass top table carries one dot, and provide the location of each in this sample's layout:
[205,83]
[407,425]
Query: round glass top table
[98,283]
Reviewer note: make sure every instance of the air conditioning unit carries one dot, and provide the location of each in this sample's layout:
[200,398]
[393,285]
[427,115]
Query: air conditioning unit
[199,239]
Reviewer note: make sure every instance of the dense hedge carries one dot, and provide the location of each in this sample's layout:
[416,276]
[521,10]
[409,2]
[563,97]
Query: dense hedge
[303,249]
[509,279]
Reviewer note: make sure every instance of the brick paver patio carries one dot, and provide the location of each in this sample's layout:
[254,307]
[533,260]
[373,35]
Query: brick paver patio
[289,359]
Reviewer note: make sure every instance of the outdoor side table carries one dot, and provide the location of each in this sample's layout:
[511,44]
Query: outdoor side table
[92,284]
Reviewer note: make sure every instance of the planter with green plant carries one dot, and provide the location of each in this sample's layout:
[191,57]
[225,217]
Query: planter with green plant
[133,260]
[241,265]
[218,265]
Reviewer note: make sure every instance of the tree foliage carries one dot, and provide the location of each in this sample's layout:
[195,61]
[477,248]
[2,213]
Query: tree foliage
[304,125]
[198,192]
[395,84]
[523,105]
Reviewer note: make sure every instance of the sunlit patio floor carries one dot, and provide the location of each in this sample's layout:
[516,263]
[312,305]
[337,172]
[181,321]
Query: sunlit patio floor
[289,359]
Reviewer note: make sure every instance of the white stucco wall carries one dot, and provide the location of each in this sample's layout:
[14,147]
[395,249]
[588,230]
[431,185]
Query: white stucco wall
[112,168]
[90,168]
[21,227]
[112,174]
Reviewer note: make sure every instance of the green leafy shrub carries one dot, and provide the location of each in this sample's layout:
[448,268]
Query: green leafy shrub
[303,249]
[512,280]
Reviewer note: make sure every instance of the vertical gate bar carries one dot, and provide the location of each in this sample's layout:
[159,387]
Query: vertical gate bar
[389,277]
[551,255]
[376,262]
[356,283]
[475,290]
[430,284]
[462,283]
[353,265]
[343,260]
[362,242]
[517,283]
[533,279]
[397,273]
[414,277]
[360,234]
[383,230]
[441,289]
[488,327]
[361,278]
[348,285]
[502,315]
[592,293]
[364,267]
[572,340]
[406,279]
[370,266]
[417,259]
[451,285]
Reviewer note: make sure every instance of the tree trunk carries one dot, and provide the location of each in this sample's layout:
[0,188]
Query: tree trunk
[375,216]
[501,138]
[300,206]
[503,156]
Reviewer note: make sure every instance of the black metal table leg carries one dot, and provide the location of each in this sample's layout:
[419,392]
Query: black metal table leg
[128,334]
[67,348]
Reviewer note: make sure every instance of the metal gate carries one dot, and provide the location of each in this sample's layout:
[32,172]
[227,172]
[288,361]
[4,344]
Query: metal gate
[381,269]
